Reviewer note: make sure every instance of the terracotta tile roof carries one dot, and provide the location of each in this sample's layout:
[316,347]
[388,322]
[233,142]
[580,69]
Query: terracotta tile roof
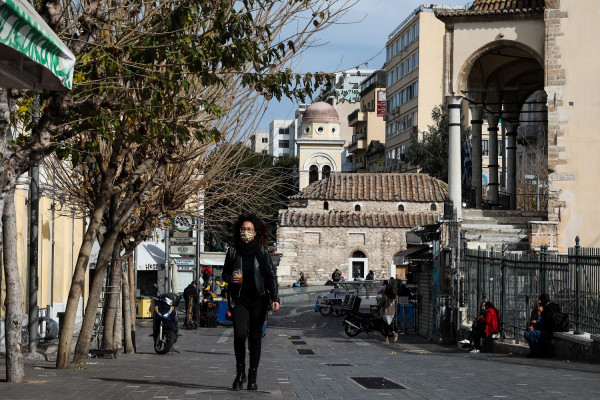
[376,187]
[349,219]
[494,7]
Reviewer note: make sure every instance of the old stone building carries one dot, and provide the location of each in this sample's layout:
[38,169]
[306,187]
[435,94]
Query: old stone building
[354,222]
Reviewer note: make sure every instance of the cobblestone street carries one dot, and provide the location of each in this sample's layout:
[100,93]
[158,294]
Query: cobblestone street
[202,367]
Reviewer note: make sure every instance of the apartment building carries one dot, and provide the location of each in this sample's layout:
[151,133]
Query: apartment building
[415,67]
[259,142]
[367,120]
[344,96]
[282,138]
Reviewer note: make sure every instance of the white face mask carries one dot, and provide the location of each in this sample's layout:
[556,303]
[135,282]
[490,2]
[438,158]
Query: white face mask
[246,236]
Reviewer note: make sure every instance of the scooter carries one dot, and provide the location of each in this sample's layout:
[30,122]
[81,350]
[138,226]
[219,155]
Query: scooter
[357,322]
[165,325]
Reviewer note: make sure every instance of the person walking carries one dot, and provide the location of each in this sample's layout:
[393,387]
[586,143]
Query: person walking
[387,307]
[252,280]
[191,297]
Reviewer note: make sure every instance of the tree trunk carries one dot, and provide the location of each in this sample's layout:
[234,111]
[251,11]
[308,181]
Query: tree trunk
[127,312]
[87,328]
[118,326]
[63,355]
[111,301]
[15,368]
[131,272]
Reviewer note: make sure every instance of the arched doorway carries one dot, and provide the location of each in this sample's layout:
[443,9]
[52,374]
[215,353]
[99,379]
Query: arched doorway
[358,265]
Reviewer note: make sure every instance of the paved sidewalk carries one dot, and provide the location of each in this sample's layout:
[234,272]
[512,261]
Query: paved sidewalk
[203,367]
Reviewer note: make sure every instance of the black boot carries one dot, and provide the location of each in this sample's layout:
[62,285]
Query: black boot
[252,379]
[240,377]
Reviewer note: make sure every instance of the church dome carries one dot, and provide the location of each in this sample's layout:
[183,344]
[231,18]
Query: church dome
[320,112]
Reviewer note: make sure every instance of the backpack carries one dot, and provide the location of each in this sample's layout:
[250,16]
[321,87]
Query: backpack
[560,320]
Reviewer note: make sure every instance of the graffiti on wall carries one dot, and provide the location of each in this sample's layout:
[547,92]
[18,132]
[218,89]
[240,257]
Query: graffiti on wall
[350,96]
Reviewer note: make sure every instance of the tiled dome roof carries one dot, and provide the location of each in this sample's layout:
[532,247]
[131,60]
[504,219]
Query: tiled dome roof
[320,112]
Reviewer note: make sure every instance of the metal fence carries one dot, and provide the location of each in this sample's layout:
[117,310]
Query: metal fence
[513,281]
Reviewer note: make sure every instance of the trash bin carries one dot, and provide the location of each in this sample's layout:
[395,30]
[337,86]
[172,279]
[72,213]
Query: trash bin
[406,317]
[143,307]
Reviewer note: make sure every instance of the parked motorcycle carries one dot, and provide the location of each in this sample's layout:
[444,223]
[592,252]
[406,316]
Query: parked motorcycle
[165,325]
[357,322]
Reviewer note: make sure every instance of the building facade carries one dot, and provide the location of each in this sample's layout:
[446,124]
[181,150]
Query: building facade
[282,138]
[258,142]
[367,120]
[344,96]
[354,222]
[414,66]
[499,54]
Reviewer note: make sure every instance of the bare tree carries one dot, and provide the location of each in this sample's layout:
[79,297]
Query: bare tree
[144,71]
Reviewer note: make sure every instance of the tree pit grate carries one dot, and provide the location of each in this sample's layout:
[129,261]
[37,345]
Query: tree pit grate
[372,382]
[298,342]
[306,352]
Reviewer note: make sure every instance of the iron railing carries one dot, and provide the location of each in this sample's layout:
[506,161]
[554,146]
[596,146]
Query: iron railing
[513,281]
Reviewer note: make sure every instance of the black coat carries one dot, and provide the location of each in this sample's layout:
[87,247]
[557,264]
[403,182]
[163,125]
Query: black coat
[265,274]
[190,291]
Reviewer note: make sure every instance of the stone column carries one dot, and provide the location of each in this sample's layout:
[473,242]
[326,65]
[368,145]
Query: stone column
[511,161]
[476,126]
[493,195]
[454,147]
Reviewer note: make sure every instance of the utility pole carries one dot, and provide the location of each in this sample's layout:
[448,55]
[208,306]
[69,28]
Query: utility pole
[34,202]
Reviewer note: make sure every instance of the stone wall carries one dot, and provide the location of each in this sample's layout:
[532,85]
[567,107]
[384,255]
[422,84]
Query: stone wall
[318,251]
[375,206]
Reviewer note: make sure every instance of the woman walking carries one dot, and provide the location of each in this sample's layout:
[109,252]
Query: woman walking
[387,306]
[252,282]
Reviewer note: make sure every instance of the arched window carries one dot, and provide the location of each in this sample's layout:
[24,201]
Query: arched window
[326,171]
[358,254]
[400,207]
[326,205]
[433,207]
[357,207]
[313,174]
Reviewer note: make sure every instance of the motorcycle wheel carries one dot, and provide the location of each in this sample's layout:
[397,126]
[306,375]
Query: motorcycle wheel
[351,331]
[325,311]
[162,345]
[337,310]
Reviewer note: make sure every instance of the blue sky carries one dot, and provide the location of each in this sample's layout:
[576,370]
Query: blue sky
[346,46]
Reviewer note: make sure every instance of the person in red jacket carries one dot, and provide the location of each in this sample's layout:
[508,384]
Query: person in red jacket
[488,324]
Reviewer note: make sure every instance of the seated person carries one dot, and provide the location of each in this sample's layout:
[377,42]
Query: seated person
[485,326]
[540,333]
[335,276]
[301,282]
[370,276]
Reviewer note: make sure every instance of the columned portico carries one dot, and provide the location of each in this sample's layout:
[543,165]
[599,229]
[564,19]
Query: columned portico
[476,175]
[511,158]
[454,147]
[493,194]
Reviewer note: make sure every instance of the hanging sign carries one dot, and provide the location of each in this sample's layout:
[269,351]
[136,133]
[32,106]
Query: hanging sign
[183,249]
[183,223]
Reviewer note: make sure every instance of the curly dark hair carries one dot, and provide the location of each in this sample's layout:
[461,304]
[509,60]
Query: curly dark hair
[260,227]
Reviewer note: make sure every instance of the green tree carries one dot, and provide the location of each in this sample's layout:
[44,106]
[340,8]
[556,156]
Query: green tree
[430,152]
[154,80]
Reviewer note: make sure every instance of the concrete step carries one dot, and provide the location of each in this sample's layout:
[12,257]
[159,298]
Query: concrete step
[512,246]
[502,229]
[531,215]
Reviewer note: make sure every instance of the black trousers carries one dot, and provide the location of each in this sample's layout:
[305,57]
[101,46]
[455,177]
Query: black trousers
[248,318]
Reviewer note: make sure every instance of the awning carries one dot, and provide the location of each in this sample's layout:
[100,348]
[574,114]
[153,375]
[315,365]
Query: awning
[31,55]
[399,257]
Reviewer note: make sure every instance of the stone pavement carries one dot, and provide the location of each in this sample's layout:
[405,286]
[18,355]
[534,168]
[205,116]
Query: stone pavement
[203,368]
